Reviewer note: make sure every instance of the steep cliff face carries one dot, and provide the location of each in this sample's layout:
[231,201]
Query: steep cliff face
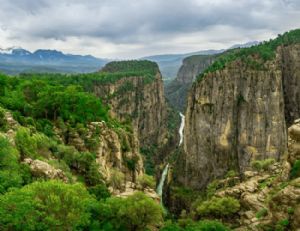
[239,114]
[291,81]
[176,91]
[192,66]
[140,99]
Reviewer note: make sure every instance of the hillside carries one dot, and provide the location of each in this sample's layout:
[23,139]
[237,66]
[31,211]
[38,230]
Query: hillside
[17,60]
[236,150]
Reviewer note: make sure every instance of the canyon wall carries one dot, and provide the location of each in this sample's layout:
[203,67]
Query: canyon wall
[239,114]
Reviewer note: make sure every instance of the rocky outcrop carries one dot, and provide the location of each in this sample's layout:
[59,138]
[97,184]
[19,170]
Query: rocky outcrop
[139,100]
[42,169]
[176,91]
[239,114]
[116,150]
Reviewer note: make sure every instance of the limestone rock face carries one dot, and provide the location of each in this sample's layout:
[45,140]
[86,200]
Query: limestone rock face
[177,90]
[116,149]
[141,101]
[239,114]
[192,66]
[42,169]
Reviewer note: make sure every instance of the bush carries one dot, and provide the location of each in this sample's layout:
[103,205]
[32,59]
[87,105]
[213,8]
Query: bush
[260,165]
[261,213]
[100,191]
[295,171]
[146,181]
[219,207]
[116,179]
[49,205]
[203,225]
[207,225]
[231,173]
[212,188]
[137,212]
[3,122]
[26,143]
[10,170]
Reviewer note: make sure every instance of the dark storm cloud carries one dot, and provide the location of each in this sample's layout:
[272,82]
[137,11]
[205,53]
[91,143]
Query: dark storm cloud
[140,22]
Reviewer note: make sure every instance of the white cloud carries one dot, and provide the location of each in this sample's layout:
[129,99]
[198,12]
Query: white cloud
[135,28]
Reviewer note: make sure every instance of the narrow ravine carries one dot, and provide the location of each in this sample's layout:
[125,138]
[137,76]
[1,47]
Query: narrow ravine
[181,128]
[160,186]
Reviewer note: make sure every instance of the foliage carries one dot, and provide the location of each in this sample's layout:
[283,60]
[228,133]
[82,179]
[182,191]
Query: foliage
[295,171]
[3,122]
[261,213]
[254,56]
[139,66]
[149,153]
[11,174]
[231,173]
[137,213]
[219,207]
[100,191]
[212,188]
[146,181]
[203,225]
[26,143]
[116,179]
[50,205]
[282,225]
[260,165]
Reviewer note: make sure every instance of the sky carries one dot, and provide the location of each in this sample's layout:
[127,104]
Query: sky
[127,29]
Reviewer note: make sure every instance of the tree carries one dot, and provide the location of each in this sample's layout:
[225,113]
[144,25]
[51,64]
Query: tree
[136,213]
[219,207]
[49,205]
[10,171]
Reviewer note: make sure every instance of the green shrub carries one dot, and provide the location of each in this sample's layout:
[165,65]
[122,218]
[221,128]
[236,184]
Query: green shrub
[295,171]
[26,143]
[10,170]
[137,212]
[100,191]
[146,181]
[212,188]
[219,207]
[116,179]
[3,122]
[49,205]
[207,225]
[260,165]
[261,213]
[231,173]
[282,225]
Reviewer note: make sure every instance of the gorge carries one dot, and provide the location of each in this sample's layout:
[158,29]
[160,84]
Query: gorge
[109,150]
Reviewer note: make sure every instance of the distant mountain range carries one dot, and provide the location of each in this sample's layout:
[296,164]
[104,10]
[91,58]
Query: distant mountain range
[169,64]
[15,60]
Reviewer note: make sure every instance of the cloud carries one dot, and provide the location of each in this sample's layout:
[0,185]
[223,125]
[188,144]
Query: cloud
[122,28]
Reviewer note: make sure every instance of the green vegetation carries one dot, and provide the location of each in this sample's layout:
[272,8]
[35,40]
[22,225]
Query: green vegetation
[260,165]
[146,181]
[254,56]
[49,205]
[295,171]
[11,174]
[261,213]
[136,213]
[218,207]
[203,225]
[137,66]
